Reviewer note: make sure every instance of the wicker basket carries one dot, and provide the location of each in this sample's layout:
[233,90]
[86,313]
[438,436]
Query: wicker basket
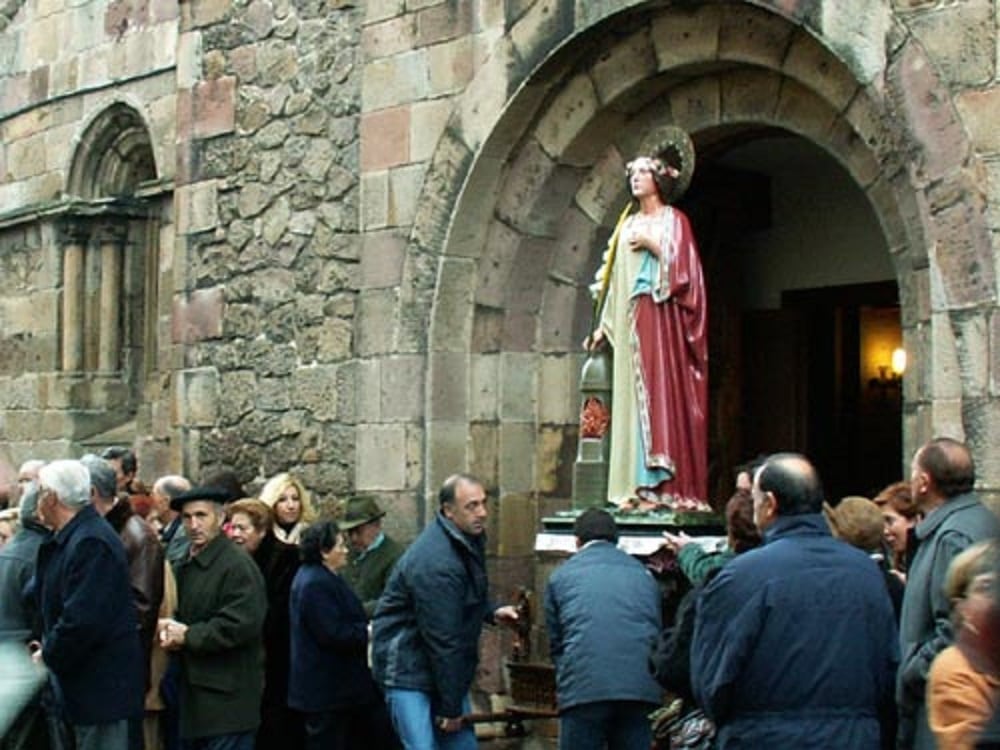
[532,685]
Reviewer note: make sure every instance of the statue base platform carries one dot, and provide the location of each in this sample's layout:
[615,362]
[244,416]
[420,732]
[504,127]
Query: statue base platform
[640,533]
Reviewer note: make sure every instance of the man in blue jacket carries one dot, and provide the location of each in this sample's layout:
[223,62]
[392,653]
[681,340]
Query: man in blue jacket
[795,642]
[602,611]
[425,637]
[90,631]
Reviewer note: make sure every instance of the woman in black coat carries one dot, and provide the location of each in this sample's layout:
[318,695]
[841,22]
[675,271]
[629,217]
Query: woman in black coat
[251,525]
[330,681]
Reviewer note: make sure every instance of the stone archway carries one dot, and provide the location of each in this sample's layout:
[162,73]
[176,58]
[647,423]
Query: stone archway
[557,186]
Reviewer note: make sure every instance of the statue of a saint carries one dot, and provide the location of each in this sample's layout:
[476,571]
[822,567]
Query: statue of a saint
[651,308]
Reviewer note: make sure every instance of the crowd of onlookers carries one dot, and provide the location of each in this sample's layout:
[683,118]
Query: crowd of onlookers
[197,616]
[190,616]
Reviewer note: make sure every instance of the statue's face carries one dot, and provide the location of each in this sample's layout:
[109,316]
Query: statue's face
[640,177]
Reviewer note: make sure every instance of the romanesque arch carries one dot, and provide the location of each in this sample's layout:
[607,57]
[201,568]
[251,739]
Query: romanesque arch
[527,201]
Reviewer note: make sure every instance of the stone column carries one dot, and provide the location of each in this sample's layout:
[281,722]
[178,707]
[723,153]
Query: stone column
[109,323]
[74,244]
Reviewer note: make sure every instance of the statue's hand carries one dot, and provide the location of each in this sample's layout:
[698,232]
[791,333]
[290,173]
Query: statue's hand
[594,341]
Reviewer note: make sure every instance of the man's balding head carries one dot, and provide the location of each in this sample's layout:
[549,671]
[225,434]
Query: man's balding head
[949,465]
[794,483]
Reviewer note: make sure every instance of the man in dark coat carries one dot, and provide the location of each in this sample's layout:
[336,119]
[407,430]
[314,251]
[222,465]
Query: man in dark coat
[221,605]
[19,620]
[90,634]
[602,612]
[428,621]
[941,481]
[795,642]
[373,553]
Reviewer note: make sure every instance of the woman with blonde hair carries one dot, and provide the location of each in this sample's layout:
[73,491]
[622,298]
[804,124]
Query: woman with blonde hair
[964,679]
[293,510]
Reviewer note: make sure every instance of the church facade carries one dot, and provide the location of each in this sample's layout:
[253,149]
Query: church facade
[353,239]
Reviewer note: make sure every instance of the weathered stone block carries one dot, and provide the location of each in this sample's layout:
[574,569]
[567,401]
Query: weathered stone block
[427,122]
[379,10]
[238,394]
[405,193]
[389,36]
[274,394]
[573,107]
[497,264]
[517,456]
[382,256]
[26,157]
[214,104]
[523,188]
[559,389]
[374,200]
[196,397]
[402,387]
[972,349]
[203,13]
[812,65]
[686,35]
[453,305]
[960,39]
[485,98]
[314,388]
[449,382]
[199,317]
[518,386]
[380,456]
[942,369]
[602,190]
[447,446]
[968,266]
[980,111]
[197,207]
[376,321]
[396,80]
[754,36]
[541,28]
[696,104]
[484,387]
[451,65]
[809,114]
[749,94]
[517,521]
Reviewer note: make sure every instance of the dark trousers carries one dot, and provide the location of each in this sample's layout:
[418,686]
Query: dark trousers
[615,725]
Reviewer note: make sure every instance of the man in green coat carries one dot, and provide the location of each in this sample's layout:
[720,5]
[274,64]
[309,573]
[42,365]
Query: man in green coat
[373,553]
[221,604]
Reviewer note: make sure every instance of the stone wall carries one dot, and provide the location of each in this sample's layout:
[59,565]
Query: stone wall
[265,304]
[371,269]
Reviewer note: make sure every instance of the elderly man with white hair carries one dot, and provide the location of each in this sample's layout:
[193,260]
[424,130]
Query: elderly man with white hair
[90,636]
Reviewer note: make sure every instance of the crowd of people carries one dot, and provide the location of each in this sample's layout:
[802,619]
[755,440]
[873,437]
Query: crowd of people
[190,616]
[194,616]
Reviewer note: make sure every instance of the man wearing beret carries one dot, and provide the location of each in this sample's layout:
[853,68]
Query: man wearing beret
[221,604]
[373,553]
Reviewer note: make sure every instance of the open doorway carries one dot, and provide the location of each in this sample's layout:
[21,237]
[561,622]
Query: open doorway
[803,308]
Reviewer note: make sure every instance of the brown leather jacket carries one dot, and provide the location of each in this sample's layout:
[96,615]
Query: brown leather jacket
[145,565]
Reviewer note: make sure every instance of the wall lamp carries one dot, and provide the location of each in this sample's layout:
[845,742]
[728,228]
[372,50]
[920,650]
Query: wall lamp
[890,376]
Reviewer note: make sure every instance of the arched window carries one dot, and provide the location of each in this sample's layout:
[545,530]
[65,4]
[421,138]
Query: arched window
[109,238]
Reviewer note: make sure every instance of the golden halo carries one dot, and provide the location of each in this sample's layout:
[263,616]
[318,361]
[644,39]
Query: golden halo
[667,137]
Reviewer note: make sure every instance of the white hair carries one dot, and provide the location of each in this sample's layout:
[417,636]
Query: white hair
[69,479]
